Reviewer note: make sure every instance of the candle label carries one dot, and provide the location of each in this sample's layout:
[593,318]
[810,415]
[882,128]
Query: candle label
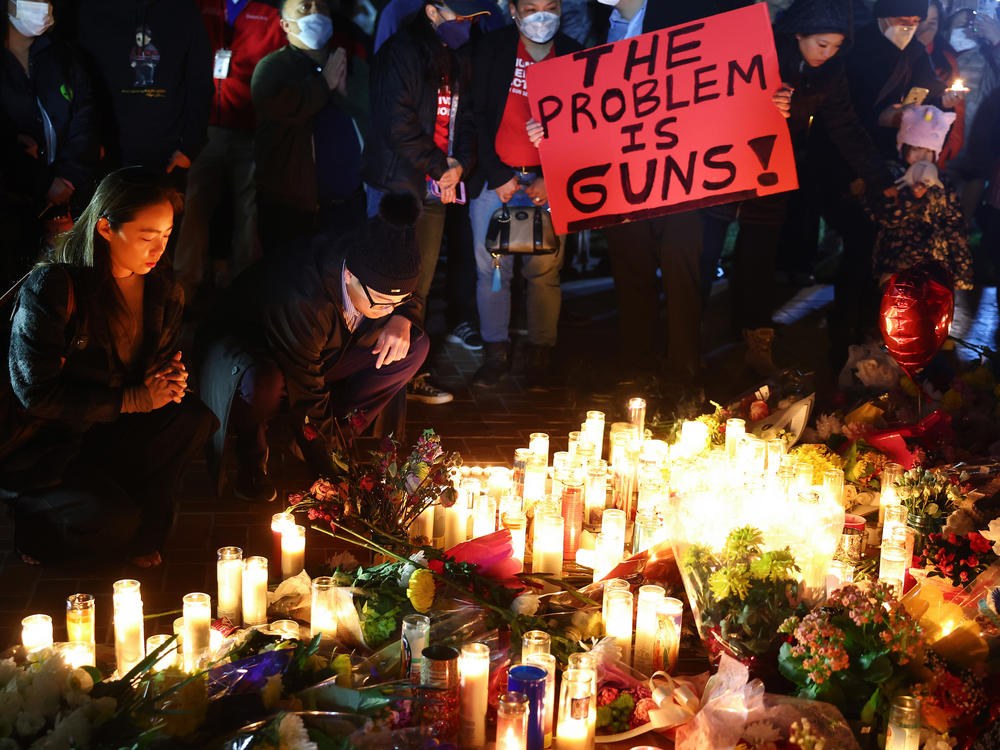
[579,708]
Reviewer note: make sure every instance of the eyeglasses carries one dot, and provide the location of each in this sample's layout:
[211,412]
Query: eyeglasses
[382,305]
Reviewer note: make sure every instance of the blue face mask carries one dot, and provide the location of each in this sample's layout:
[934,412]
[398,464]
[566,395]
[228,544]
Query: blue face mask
[454,33]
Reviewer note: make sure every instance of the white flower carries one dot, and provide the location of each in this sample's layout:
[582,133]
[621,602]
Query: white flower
[993,534]
[29,723]
[8,670]
[72,731]
[525,604]
[292,734]
[419,560]
[959,522]
[931,740]
[827,425]
[877,373]
[760,733]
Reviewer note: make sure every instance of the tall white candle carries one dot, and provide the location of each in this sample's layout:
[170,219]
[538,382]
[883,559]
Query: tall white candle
[577,711]
[197,630]
[229,574]
[255,591]
[129,640]
[618,621]
[594,428]
[474,670]
[605,555]
[538,443]
[650,599]
[516,522]
[422,528]
[323,617]
[80,615]
[455,524]
[36,633]
[293,551]
[613,527]
[547,554]
[279,522]
[735,430]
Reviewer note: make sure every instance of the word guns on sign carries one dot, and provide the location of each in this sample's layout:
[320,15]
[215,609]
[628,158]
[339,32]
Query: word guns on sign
[664,122]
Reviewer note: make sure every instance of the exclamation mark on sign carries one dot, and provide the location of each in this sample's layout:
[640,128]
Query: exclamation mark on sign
[763,147]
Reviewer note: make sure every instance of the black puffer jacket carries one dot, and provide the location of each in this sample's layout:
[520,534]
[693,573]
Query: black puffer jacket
[64,372]
[824,91]
[60,85]
[400,149]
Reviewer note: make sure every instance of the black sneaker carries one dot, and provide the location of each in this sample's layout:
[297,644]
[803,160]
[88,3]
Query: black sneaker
[420,389]
[466,336]
[253,485]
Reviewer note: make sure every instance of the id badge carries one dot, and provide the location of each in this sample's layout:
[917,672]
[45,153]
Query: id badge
[222,59]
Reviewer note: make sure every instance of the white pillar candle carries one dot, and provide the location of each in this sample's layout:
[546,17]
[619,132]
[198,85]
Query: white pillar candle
[613,527]
[36,633]
[535,474]
[279,522]
[548,663]
[293,551]
[129,641]
[197,630]
[538,443]
[577,711]
[469,493]
[76,654]
[323,616]
[167,658]
[422,527]
[455,523]
[229,575]
[474,672]
[594,428]
[255,591]
[597,489]
[80,614]
[547,552]
[650,599]
[618,621]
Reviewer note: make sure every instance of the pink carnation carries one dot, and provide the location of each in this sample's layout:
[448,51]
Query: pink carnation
[606,695]
[640,715]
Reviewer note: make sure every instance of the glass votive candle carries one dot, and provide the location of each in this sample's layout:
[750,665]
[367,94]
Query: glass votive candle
[888,495]
[512,722]
[583,660]
[168,657]
[666,646]
[538,443]
[614,584]
[474,676]
[535,474]
[293,551]
[254,591]
[613,524]
[573,441]
[548,663]
[735,430]
[647,607]
[279,521]
[76,654]
[128,620]
[606,555]
[229,577]
[287,629]
[80,615]
[577,711]
[36,633]
[833,485]
[197,630]
[618,618]
[414,636]
[323,615]
[535,642]
[775,449]
[516,523]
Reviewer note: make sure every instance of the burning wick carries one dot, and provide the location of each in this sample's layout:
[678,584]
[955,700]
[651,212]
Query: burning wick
[959,87]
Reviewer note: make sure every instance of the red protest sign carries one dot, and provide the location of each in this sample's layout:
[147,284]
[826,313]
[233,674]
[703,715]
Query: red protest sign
[664,122]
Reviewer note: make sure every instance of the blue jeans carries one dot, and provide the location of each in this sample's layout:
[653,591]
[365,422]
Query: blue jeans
[541,272]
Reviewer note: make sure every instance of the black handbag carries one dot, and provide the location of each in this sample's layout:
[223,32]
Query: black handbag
[523,230]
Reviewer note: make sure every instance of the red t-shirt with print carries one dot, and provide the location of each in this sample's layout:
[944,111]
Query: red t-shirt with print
[512,143]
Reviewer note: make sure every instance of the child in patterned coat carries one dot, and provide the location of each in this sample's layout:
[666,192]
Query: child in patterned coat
[923,221]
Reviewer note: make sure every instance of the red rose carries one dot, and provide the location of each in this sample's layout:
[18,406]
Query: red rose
[367,483]
[309,432]
[294,498]
[978,542]
[964,576]
[758,411]
[952,539]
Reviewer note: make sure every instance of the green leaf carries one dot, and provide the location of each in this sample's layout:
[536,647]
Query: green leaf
[879,670]
[868,712]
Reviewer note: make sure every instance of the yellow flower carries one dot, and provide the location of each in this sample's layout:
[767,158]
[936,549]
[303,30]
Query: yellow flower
[821,458]
[952,400]
[420,590]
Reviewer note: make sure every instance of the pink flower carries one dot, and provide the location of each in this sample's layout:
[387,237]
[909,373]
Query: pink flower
[294,498]
[640,715]
[758,411]
[309,432]
[367,483]
[606,695]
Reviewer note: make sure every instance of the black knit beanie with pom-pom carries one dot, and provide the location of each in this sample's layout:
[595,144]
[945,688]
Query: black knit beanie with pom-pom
[383,254]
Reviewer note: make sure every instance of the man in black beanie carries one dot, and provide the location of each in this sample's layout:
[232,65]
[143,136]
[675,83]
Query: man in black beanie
[337,327]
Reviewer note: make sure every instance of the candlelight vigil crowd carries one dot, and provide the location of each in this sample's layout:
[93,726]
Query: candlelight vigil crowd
[278,182]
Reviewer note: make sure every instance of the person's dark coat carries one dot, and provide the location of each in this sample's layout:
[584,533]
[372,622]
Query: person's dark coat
[824,91]
[879,75]
[61,87]
[400,150]
[155,97]
[493,61]
[291,310]
[65,374]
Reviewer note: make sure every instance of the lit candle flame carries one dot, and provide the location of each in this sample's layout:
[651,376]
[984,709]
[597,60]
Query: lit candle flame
[958,86]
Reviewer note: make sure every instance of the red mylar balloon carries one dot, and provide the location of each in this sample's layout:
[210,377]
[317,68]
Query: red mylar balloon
[917,309]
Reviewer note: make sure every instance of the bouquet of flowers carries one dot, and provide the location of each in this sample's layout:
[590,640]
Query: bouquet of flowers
[851,651]
[957,557]
[930,492]
[386,493]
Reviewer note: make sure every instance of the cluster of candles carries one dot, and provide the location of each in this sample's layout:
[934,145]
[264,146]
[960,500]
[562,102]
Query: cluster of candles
[242,595]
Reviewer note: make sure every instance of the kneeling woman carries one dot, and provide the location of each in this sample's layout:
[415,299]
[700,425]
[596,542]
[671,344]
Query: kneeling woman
[98,430]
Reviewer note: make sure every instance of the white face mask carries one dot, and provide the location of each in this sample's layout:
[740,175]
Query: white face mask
[961,41]
[315,30]
[539,27]
[612,3]
[900,35]
[32,18]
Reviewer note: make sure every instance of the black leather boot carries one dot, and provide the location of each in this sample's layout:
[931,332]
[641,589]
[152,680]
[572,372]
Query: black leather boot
[496,364]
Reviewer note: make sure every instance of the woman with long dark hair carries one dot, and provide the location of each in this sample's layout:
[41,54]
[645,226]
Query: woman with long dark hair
[96,429]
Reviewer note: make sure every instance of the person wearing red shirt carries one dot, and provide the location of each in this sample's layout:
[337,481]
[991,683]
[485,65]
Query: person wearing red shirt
[241,33]
[510,172]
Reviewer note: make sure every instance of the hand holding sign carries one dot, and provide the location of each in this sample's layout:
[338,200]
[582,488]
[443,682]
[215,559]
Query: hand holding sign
[664,122]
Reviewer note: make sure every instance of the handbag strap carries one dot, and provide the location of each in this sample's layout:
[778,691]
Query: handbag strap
[504,227]
[538,233]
